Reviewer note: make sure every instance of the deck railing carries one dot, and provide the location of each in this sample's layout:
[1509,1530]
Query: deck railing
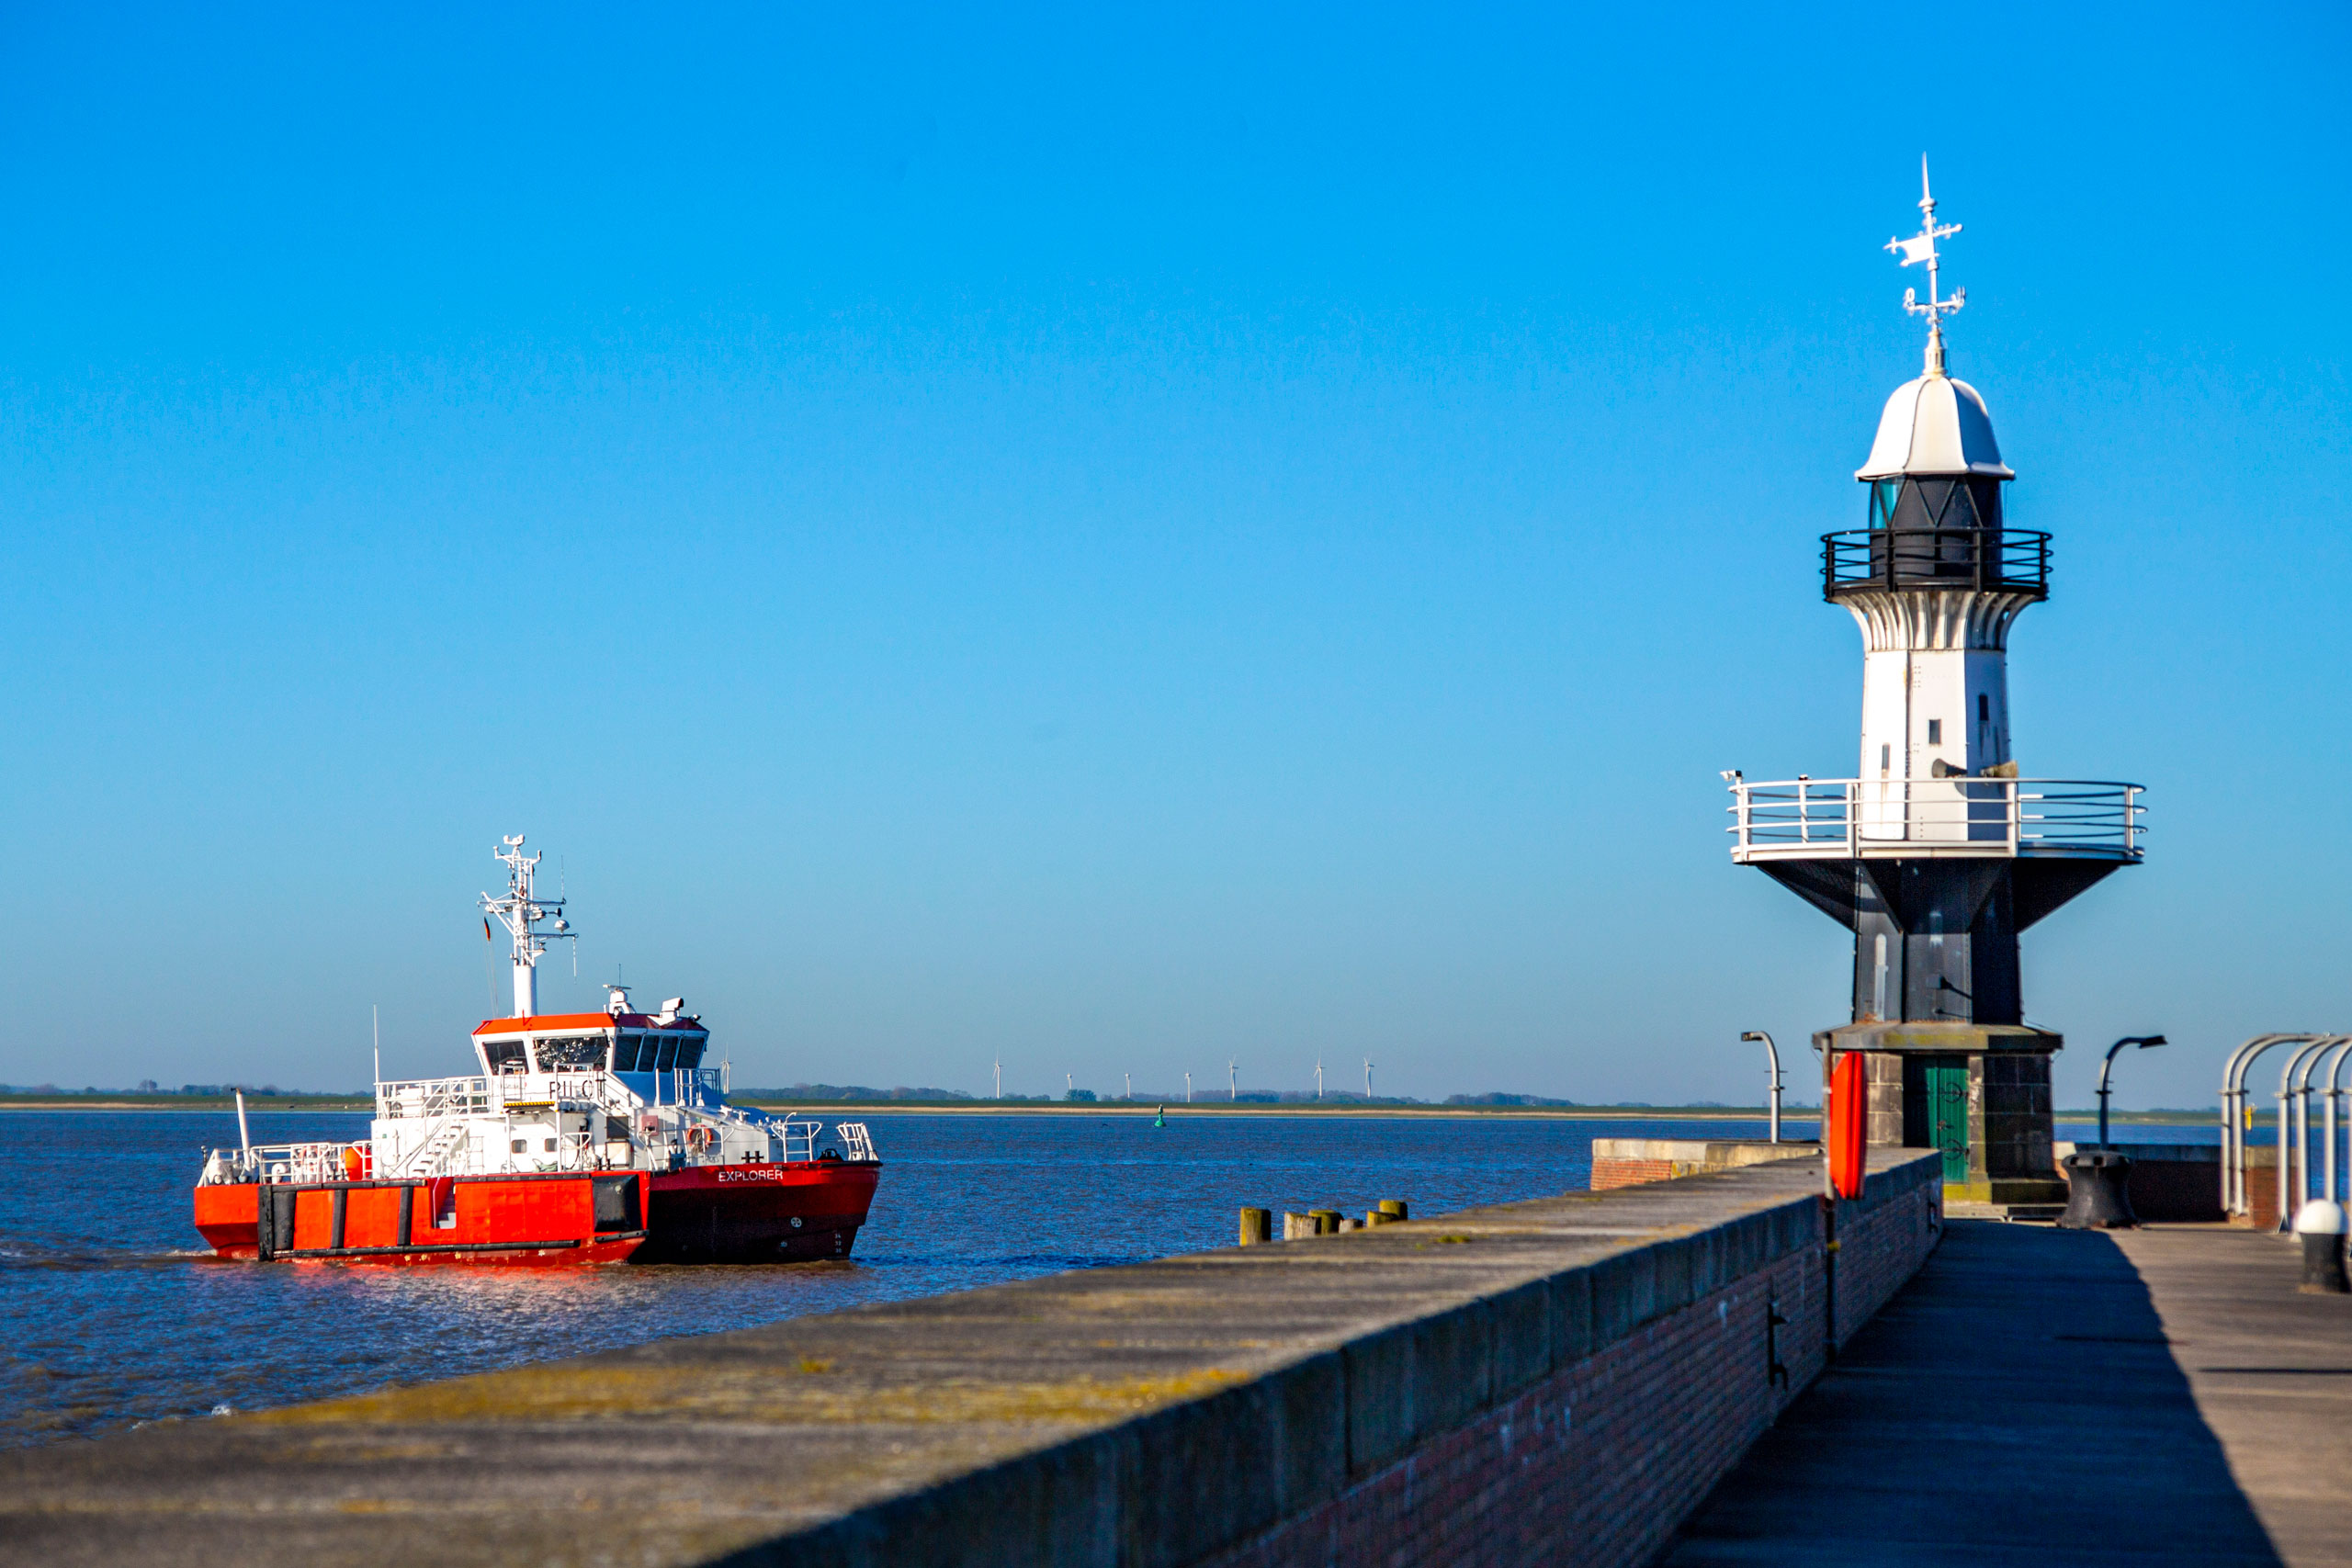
[1805,818]
[434,1098]
[305,1163]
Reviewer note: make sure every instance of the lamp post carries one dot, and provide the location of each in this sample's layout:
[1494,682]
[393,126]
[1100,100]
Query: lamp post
[1773,1053]
[2108,1067]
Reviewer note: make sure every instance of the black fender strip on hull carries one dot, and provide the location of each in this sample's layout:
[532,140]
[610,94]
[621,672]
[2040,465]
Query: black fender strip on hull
[569,1242]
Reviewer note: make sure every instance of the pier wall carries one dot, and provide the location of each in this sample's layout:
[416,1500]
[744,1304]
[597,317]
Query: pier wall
[2181,1182]
[1630,1162]
[1601,1460]
[1559,1381]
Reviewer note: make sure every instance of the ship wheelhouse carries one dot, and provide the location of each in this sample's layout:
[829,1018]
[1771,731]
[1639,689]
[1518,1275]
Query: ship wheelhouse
[658,1058]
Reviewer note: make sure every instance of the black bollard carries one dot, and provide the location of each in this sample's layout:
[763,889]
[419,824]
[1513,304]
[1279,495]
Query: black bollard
[2100,1196]
[2320,1223]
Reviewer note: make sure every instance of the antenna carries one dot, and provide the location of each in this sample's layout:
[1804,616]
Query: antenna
[375,1028]
[520,911]
[1921,247]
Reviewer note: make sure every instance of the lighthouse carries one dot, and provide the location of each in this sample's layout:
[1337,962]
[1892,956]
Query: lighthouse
[1939,850]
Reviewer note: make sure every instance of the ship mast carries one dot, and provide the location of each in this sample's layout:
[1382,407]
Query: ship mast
[520,911]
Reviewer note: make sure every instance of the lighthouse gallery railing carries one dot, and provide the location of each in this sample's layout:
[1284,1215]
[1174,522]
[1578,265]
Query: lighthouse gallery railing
[2006,560]
[1804,818]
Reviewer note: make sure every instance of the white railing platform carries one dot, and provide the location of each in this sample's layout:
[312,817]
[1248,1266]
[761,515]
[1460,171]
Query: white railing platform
[1962,817]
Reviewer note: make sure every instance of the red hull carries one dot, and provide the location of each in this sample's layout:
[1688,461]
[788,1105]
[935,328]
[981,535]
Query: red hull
[758,1213]
[730,1213]
[552,1219]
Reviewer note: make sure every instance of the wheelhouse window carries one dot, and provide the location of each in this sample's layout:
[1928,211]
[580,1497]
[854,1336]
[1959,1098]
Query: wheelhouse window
[656,1051]
[505,1056]
[572,1052]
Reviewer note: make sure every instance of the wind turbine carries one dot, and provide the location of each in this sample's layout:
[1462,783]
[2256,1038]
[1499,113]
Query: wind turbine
[1319,1076]
[1367,1077]
[1232,1081]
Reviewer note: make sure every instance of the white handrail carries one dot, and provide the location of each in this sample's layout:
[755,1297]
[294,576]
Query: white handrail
[2097,817]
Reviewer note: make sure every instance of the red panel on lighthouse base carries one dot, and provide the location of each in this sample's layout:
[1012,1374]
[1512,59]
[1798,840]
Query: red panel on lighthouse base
[1849,1111]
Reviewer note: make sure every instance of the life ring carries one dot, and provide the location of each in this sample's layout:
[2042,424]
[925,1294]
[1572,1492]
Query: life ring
[699,1138]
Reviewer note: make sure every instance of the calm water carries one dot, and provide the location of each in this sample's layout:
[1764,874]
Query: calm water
[112,1314]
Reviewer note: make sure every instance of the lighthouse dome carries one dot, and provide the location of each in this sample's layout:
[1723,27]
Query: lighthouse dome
[1934,426]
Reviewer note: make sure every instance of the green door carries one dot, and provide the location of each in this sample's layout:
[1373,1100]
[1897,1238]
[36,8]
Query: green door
[1948,1111]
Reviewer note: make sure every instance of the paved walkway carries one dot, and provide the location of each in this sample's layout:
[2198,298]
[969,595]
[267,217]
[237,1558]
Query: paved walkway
[2054,1397]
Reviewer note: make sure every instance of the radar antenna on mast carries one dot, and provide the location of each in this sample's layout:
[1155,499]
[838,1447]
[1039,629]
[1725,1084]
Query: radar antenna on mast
[520,911]
[1921,247]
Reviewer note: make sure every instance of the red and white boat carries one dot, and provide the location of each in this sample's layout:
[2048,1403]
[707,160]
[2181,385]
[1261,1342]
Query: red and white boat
[588,1137]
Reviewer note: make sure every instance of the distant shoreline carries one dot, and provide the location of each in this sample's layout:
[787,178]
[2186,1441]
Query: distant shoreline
[282,1105]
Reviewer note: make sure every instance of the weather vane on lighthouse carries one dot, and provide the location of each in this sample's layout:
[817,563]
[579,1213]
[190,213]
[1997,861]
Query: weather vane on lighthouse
[1921,247]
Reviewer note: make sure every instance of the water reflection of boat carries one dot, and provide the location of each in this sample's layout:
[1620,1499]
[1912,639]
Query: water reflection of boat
[585,1138]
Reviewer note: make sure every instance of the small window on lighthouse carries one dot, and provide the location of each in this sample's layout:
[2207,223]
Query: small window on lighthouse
[1885,760]
[1984,704]
[1934,732]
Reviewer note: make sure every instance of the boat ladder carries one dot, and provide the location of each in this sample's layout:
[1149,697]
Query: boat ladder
[436,1150]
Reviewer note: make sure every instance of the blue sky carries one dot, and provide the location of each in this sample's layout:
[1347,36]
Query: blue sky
[1126,544]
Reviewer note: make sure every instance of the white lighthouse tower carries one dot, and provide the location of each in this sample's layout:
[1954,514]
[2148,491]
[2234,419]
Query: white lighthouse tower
[1937,853]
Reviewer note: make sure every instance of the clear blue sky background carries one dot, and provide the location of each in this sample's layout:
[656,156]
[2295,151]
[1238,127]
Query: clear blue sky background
[1127,544]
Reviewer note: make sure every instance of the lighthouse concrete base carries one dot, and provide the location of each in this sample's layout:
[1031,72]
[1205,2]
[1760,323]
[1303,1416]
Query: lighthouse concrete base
[1980,1092]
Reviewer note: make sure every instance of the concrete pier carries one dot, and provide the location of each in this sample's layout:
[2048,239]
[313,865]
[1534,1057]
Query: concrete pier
[2039,1396]
[1557,1380]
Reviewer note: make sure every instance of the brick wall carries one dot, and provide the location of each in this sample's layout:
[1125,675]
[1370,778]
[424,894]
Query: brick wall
[1610,1174]
[1577,1418]
[1597,1464]
[1601,1463]
[1631,1162]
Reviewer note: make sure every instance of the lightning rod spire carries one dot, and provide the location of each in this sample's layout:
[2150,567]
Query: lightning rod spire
[1921,247]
